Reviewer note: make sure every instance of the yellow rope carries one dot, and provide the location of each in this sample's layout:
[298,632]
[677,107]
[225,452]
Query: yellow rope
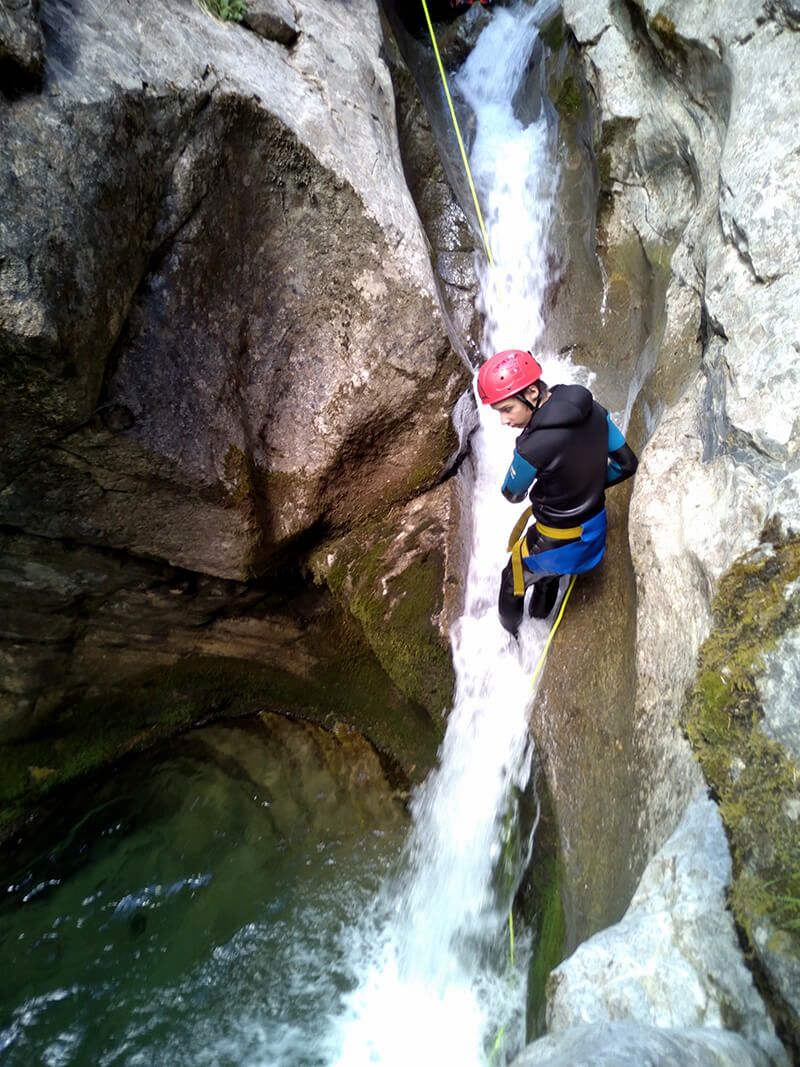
[537,669]
[458,133]
[496,1048]
[552,633]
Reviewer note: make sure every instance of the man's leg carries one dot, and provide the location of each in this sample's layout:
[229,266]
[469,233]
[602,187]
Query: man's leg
[510,607]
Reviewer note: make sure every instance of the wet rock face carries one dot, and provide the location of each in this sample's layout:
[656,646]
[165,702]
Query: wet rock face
[237,302]
[585,735]
[696,150]
[433,170]
[21,46]
[219,327]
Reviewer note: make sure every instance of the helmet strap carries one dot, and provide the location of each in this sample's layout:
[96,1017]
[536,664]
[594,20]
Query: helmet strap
[534,407]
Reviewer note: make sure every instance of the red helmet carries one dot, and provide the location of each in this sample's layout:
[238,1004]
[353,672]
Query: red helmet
[505,374]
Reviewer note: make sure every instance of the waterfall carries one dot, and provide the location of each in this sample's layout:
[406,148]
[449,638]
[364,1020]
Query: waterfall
[435,984]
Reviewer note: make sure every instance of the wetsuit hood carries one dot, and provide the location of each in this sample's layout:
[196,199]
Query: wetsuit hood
[568,405]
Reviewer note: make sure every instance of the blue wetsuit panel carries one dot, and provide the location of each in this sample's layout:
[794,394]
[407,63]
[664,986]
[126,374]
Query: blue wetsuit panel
[575,557]
[614,472]
[519,479]
[621,461]
[616,438]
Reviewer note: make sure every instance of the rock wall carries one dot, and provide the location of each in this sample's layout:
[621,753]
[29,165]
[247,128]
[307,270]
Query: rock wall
[222,346]
[688,121]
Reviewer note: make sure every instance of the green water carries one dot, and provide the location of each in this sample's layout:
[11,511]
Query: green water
[195,908]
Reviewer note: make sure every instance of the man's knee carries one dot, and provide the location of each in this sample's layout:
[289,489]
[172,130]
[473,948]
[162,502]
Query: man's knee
[544,596]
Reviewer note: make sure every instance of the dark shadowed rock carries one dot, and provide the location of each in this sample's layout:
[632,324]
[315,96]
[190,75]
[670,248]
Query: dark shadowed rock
[275,20]
[220,332]
[21,46]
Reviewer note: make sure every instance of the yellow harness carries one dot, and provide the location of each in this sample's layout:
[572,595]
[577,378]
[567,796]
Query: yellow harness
[516,542]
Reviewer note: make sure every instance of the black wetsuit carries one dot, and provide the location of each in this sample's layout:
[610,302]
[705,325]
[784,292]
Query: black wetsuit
[567,455]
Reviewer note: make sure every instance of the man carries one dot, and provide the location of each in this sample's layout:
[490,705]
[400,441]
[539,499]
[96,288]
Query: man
[568,452]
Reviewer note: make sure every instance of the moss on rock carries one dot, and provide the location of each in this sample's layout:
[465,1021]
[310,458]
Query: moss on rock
[545,913]
[755,782]
[569,100]
[393,585]
[554,32]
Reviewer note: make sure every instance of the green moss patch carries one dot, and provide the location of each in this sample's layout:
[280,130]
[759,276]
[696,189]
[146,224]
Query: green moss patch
[239,473]
[667,31]
[541,906]
[550,939]
[756,784]
[569,100]
[226,10]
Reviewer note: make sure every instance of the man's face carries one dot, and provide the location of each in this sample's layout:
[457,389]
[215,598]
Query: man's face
[513,412]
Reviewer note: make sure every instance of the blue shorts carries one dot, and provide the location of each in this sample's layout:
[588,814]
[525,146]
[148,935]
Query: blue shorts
[574,557]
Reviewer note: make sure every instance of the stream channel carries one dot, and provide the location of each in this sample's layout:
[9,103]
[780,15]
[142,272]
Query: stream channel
[257,894]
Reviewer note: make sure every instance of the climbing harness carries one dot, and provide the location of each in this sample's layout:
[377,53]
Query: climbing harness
[514,546]
[457,128]
[517,543]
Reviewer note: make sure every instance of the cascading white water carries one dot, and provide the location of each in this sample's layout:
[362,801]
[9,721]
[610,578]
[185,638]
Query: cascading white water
[436,987]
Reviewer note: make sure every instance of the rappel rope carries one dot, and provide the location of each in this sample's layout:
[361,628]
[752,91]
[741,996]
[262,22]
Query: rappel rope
[536,672]
[538,668]
[457,128]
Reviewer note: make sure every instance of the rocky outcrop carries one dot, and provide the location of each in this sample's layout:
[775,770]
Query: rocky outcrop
[585,736]
[673,961]
[389,574]
[668,980]
[623,1044]
[275,20]
[741,718]
[127,650]
[221,339]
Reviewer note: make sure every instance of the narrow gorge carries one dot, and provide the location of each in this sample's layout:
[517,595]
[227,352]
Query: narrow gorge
[275,787]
